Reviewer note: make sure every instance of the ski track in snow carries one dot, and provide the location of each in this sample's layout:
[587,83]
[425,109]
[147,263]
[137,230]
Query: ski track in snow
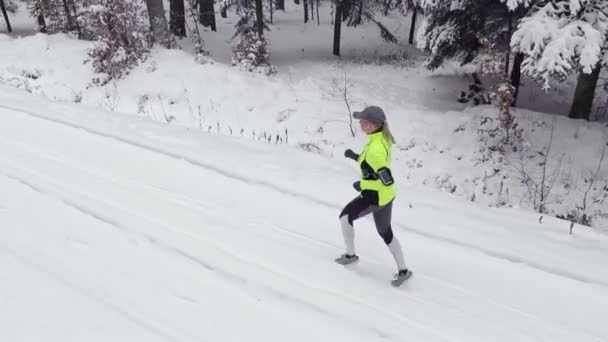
[102,209]
[126,313]
[303,196]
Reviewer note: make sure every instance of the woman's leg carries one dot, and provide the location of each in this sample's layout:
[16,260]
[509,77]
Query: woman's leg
[382,218]
[357,208]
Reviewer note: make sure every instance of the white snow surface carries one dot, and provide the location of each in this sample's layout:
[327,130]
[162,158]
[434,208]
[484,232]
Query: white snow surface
[116,227]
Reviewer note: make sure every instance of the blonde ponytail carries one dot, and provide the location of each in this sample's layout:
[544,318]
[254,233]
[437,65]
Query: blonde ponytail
[387,133]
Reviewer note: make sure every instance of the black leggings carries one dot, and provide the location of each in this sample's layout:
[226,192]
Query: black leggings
[360,207]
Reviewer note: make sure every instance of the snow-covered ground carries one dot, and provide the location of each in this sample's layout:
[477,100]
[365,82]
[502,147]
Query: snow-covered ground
[115,227]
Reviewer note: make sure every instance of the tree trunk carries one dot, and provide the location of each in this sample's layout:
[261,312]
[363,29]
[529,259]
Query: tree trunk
[318,18]
[158,21]
[347,6]
[337,26]
[280,5]
[76,23]
[508,57]
[259,13]
[413,26]
[68,14]
[206,14]
[387,6]
[516,74]
[5,14]
[312,10]
[41,24]
[177,18]
[305,11]
[584,94]
[271,9]
[40,7]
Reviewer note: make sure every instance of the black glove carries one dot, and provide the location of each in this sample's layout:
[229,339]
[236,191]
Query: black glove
[350,154]
[357,186]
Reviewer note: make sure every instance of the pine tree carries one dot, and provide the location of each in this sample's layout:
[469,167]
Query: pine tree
[38,9]
[56,16]
[461,31]
[121,33]
[251,52]
[561,37]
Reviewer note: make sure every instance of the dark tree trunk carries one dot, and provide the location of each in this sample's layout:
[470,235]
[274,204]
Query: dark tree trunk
[5,14]
[158,21]
[584,94]
[413,26]
[271,9]
[305,11]
[40,7]
[68,14]
[177,18]
[347,6]
[508,57]
[318,18]
[259,13]
[312,10]
[387,6]
[516,74]
[42,24]
[337,26]
[280,5]
[206,14]
[76,23]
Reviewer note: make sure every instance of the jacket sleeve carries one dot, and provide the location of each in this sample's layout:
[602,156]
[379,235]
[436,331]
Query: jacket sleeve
[376,159]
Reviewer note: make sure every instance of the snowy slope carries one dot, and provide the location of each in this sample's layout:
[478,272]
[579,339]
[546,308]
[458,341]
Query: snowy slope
[113,227]
[438,146]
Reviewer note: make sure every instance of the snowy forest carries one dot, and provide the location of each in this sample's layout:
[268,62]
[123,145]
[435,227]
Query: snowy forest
[498,59]
[547,40]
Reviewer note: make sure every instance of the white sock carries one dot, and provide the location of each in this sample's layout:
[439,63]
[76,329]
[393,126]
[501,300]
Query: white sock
[348,232]
[397,253]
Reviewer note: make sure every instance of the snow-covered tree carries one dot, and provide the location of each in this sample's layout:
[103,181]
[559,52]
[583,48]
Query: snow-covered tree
[251,53]
[562,37]
[56,16]
[121,32]
[472,31]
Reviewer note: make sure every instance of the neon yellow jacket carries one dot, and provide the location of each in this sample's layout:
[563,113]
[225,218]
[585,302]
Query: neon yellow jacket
[376,155]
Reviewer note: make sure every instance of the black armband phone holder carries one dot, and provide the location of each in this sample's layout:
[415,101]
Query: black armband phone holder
[385,176]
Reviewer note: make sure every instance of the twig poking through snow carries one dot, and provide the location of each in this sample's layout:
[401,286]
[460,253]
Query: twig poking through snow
[342,87]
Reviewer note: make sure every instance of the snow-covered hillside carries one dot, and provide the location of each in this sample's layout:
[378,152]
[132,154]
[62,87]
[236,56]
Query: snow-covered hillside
[438,141]
[115,227]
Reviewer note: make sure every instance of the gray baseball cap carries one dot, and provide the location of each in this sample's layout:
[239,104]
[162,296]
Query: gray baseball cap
[373,114]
